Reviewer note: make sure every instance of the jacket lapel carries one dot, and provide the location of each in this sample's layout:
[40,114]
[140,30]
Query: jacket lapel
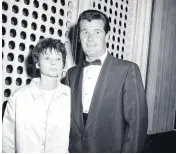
[99,90]
[77,100]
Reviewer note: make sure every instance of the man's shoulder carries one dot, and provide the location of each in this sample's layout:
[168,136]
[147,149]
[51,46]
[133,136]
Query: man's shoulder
[74,69]
[123,63]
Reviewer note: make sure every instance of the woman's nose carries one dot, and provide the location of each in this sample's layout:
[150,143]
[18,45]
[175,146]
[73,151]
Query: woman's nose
[53,62]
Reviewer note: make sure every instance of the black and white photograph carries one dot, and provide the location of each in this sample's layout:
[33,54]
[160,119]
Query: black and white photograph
[88,76]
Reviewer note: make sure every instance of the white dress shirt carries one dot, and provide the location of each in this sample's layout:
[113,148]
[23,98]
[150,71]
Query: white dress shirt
[90,76]
[36,122]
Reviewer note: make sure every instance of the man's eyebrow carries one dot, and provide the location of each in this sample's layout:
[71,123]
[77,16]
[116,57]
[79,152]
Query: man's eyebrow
[94,29]
[99,29]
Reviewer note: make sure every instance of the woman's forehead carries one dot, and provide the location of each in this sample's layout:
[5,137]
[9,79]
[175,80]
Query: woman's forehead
[51,51]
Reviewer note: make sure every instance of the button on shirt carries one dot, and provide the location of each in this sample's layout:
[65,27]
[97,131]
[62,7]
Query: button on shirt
[41,122]
[90,76]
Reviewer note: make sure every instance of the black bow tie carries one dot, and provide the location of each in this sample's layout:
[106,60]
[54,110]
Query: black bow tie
[95,62]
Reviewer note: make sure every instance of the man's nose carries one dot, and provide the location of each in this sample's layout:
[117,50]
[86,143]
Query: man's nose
[90,36]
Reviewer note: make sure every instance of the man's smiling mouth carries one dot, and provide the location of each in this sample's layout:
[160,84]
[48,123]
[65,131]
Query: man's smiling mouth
[91,45]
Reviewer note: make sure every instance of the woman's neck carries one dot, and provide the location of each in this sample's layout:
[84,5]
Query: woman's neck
[48,83]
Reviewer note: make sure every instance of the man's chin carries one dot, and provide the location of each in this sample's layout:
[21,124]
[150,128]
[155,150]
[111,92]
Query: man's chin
[52,76]
[91,52]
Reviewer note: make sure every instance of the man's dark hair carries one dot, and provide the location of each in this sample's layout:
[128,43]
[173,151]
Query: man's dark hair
[90,15]
[49,43]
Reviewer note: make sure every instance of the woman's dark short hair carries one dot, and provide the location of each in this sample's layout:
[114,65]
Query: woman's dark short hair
[49,43]
[90,15]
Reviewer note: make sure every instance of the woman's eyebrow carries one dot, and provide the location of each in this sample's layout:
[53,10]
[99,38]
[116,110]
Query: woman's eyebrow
[83,29]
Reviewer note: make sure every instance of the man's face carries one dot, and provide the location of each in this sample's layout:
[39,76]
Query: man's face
[50,63]
[92,37]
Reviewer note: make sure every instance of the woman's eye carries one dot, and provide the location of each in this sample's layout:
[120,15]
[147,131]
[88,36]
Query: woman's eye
[85,33]
[58,59]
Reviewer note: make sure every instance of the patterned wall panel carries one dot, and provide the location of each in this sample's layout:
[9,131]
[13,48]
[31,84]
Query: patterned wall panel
[24,23]
[121,14]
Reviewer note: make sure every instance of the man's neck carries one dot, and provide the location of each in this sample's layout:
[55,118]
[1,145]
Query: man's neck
[90,59]
[48,83]
[94,58]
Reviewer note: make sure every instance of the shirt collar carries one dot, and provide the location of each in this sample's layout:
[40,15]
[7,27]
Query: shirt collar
[36,92]
[102,57]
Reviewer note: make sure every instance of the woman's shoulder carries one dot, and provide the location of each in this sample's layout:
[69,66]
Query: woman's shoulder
[65,89]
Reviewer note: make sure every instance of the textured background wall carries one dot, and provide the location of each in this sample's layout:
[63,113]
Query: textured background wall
[24,23]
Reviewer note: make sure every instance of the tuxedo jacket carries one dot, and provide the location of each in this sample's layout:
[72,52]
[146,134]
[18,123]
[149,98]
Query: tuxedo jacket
[117,119]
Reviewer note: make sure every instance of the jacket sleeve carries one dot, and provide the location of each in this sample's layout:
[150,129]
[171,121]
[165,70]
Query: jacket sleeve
[135,111]
[8,128]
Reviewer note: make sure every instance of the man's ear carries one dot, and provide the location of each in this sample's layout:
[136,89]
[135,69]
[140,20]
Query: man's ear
[37,65]
[107,37]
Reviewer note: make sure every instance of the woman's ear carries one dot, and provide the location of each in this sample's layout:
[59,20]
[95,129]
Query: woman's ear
[37,65]
[63,74]
[79,39]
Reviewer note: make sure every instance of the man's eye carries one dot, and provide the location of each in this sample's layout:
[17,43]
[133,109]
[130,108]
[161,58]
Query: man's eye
[98,32]
[46,58]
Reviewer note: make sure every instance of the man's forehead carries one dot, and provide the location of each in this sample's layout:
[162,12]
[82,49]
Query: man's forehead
[91,21]
[95,22]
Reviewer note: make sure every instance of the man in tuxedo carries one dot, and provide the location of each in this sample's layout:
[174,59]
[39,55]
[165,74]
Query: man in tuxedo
[109,109]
